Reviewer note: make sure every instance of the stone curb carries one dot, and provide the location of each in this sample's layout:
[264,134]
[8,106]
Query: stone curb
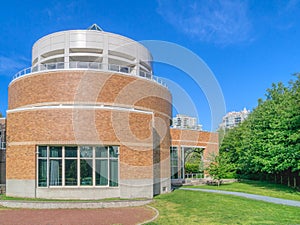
[152,219]
[72,205]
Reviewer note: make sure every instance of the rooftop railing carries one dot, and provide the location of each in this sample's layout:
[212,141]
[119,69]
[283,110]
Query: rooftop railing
[90,66]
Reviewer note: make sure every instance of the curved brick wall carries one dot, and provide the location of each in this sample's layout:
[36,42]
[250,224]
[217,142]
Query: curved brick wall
[136,114]
[89,87]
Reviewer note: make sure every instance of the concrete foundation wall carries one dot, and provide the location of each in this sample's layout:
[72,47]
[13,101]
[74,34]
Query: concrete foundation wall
[20,188]
[136,188]
[77,193]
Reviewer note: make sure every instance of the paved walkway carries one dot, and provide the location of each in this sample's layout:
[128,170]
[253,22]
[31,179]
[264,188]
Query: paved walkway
[124,216]
[251,196]
[72,205]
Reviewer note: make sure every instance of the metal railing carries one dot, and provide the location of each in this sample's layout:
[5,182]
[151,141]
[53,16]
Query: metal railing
[90,66]
[194,176]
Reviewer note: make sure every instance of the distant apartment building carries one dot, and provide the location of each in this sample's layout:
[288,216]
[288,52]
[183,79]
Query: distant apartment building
[232,119]
[186,122]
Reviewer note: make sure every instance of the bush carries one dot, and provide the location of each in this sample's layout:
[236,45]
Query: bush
[192,168]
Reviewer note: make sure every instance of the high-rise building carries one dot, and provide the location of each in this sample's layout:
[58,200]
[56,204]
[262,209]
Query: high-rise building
[232,119]
[186,122]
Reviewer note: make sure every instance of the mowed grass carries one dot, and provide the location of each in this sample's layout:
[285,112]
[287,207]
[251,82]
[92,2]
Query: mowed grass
[190,207]
[257,187]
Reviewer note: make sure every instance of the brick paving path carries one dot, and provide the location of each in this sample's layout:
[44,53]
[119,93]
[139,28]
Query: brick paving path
[125,216]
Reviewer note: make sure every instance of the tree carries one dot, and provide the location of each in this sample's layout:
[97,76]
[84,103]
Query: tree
[193,160]
[218,169]
[267,143]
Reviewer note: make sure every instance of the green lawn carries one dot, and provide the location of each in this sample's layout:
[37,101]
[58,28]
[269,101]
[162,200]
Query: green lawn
[188,207]
[258,187]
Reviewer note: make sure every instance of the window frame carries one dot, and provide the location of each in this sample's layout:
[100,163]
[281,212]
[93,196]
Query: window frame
[108,157]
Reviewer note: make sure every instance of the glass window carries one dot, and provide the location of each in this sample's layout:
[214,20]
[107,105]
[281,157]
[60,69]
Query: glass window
[101,152]
[70,152]
[86,172]
[174,162]
[55,170]
[113,151]
[42,181]
[42,151]
[81,166]
[55,151]
[102,172]
[71,165]
[113,173]
[86,152]
[71,172]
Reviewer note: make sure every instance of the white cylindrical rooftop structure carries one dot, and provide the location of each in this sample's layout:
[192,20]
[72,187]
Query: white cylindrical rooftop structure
[92,46]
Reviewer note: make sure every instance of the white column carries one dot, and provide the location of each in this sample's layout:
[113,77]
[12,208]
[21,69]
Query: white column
[105,52]
[67,50]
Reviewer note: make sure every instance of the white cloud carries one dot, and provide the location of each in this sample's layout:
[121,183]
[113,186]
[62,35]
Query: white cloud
[216,21]
[62,12]
[9,65]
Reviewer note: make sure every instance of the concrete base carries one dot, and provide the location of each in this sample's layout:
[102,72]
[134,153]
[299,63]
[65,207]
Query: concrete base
[135,188]
[20,188]
[165,185]
[77,193]
[142,188]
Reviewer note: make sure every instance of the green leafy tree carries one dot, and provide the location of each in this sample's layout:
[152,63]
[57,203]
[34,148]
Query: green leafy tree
[193,160]
[218,169]
[267,144]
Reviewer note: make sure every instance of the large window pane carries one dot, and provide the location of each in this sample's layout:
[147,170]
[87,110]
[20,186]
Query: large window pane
[86,152]
[102,172]
[101,152]
[174,172]
[86,172]
[70,152]
[174,162]
[55,151]
[42,151]
[114,174]
[55,172]
[113,151]
[71,172]
[42,173]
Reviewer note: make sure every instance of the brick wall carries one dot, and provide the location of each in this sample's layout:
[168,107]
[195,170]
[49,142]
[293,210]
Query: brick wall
[208,140]
[132,130]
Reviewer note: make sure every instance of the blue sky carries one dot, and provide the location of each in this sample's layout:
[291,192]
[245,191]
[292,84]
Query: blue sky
[246,44]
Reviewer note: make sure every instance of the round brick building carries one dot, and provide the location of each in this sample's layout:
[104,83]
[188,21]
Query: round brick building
[88,120]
